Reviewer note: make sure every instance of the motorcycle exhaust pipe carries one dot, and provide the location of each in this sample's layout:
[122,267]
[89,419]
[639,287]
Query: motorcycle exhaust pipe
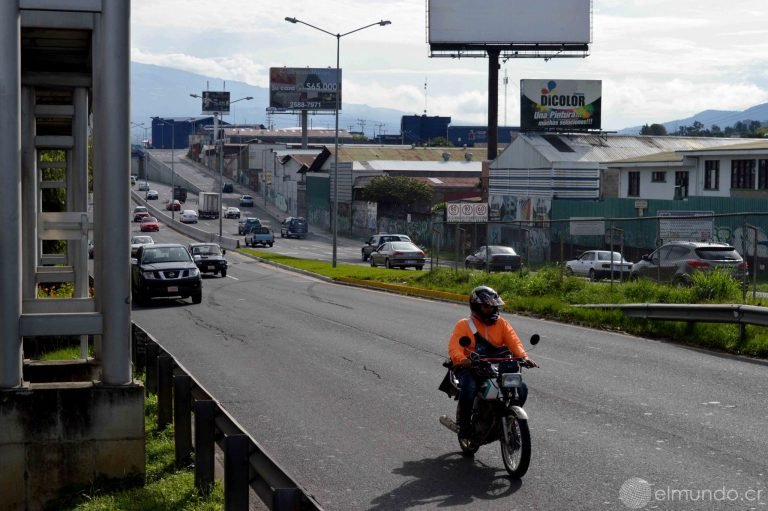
[449,423]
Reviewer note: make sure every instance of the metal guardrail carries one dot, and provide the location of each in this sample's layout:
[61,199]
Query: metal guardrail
[181,399]
[703,313]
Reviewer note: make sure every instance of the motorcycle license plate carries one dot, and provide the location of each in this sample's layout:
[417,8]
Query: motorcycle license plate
[173,289]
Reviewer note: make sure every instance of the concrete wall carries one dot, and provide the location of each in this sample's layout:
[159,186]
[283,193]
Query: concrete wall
[55,435]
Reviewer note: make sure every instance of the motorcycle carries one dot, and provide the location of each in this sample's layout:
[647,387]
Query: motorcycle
[497,413]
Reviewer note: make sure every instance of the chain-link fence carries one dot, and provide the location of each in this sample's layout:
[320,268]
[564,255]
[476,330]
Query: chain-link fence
[558,241]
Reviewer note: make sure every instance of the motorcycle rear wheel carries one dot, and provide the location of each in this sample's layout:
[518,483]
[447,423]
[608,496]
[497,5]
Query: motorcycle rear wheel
[516,453]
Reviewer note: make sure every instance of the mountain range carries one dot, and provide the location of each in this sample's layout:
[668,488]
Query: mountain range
[165,92]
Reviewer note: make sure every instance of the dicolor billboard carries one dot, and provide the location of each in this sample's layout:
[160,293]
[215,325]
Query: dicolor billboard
[565,105]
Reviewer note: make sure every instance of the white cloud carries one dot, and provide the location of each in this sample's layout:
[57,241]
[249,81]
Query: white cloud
[658,60]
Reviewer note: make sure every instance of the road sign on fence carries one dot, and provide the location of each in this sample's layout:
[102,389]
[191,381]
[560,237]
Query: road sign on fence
[466,212]
[686,225]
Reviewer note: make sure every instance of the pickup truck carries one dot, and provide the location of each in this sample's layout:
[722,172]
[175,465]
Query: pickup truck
[261,235]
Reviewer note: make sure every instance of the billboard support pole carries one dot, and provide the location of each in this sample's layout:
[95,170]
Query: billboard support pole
[493,103]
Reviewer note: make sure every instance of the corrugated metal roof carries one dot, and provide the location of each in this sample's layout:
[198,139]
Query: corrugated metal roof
[612,148]
[668,156]
[403,153]
[761,144]
[443,182]
[422,166]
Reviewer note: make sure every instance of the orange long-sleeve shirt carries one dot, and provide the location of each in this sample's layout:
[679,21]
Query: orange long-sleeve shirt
[499,334]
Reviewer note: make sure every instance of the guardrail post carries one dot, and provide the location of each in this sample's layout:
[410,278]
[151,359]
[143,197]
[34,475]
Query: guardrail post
[164,391]
[236,473]
[152,352]
[205,438]
[182,419]
[286,499]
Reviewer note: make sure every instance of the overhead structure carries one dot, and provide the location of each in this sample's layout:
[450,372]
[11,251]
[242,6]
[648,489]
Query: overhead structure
[507,29]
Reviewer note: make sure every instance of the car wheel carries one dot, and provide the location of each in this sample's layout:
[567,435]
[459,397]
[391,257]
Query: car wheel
[373,263]
[466,265]
[223,273]
[197,297]
[419,268]
[270,245]
[365,257]
[387,264]
[592,276]
[569,271]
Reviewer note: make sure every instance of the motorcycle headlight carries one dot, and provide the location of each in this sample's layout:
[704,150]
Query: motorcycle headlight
[511,380]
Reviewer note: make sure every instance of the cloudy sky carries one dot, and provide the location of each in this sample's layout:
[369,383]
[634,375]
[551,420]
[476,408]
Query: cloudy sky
[658,60]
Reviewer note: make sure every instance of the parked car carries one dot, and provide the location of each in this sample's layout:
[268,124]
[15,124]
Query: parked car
[676,261]
[398,254]
[139,215]
[245,224]
[209,258]
[597,264]
[495,257]
[377,239]
[173,205]
[150,224]
[246,201]
[139,240]
[143,186]
[164,270]
[259,235]
[227,188]
[188,216]
[232,213]
[293,226]
[152,195]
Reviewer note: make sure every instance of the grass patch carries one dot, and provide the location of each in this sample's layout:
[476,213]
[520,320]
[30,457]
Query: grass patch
[548,293]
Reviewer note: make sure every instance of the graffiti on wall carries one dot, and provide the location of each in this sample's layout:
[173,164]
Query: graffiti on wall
[511,208]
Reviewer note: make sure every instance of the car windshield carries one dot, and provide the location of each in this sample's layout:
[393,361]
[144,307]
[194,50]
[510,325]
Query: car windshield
[165,255]
[138,240]
[403,245]
[205,250]
[718,254]
[148,219]
[502,251]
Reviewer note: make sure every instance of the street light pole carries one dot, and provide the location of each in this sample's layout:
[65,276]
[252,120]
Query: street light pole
[219,158]
[338,36]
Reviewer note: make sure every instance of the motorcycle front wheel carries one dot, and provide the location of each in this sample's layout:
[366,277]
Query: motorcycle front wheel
[516,453]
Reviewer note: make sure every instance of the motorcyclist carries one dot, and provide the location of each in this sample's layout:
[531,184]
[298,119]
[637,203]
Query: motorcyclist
[488,327]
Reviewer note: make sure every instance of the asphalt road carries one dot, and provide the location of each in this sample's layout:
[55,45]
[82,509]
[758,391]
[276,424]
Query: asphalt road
[339,385]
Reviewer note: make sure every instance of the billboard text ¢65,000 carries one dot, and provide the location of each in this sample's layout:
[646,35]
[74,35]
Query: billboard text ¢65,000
[303,88]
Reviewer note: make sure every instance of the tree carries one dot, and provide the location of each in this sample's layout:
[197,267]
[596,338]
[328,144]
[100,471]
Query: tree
[397,192]
[439,142]
[654,129]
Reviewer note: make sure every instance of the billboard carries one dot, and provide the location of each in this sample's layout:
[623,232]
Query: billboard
[565,105]
[458,24]
[303,88]
[215,102]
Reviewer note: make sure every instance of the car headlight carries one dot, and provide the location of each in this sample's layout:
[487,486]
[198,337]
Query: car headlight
[149,275]
[194,272]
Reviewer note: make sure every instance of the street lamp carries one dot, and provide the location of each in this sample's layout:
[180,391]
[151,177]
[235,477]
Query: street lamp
[219,158]
[335,216]
[173,143]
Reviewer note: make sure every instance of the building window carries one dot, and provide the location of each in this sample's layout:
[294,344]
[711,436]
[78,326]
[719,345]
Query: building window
[762,173]
[711,174]
[633,190]
[659,177]
[743,174]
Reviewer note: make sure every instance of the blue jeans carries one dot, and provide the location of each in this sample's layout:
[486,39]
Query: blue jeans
[468,385]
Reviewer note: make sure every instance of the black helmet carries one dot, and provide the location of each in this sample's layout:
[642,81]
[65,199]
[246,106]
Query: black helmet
[484,295]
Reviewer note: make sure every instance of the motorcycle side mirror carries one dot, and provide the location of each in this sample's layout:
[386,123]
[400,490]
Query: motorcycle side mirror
[535,339]
[465,342]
